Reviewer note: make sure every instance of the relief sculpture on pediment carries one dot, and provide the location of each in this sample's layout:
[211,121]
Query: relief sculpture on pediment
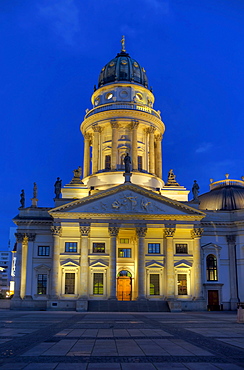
[128,202]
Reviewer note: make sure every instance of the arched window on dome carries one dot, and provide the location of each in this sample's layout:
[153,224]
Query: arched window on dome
[212,272]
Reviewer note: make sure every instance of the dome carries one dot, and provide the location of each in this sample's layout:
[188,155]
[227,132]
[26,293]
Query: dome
[123,69]
[225,195]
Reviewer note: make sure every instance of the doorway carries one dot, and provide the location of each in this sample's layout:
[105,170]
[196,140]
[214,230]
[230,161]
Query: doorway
[213,300]
[124,285]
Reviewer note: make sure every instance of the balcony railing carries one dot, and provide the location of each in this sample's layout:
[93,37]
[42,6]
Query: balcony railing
[127,106]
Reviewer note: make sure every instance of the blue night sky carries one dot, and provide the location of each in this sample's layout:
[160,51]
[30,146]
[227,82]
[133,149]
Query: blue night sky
[52,53]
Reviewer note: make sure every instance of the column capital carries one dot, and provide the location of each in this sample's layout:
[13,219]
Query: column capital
[158,137]
[56,230]
[151,129]
[134,124]
[169,231]
[84,230]
[114,123]
[196,232]
[141,231]
[113,230]
[31,237]
[231,239]
[96,128]
[87,136]
[19,237]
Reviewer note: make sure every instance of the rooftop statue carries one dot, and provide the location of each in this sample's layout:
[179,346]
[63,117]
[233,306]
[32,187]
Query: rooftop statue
[195,190]
[57,188]
[127,162]
[171,179]
[22,199]
[35,191]
[77,175]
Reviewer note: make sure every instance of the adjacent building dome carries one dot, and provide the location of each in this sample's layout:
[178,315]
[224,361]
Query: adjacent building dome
[225,195]
[123,68]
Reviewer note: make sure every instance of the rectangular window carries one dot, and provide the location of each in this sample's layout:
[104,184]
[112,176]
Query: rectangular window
[154,284]
[42,284]
[69,283]
[124,241]
[124,252]
[107,162]
[139,163]
[71,247]
[181,248]
[98,247]
[182,284]
[43,250]
[153,248]
[98,283]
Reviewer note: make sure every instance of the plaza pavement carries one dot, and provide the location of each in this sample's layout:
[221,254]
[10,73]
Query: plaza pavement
[126,341]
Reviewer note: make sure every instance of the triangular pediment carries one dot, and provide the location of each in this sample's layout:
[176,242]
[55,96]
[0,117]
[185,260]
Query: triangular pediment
[154,264]
[99,263]
[183,264]
[69,263]
[211,247]
[127,199]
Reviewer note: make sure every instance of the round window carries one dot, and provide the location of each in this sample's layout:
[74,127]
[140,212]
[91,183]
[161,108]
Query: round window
[138,96]
[109,96]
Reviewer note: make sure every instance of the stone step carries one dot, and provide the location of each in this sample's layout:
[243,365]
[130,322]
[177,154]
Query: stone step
[127,306]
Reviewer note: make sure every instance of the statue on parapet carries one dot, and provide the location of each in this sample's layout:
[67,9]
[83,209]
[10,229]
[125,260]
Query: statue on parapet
[195,190]
[22,198]
[57,188]
[127,162]
[171,181]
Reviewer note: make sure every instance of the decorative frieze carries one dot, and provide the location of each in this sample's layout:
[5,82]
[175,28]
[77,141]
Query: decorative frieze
[56,230]
[196,232]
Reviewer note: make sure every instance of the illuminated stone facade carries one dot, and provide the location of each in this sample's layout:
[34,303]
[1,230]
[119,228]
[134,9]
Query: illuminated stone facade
[117,237]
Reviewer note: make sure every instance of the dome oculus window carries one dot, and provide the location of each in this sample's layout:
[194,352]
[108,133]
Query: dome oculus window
[138,96]
[97,100]
[109,96]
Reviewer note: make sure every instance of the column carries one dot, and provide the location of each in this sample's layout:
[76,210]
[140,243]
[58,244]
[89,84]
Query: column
[17,279]
[141,233]
[23,267]
[86,170]
[57,233]
[231,240]
[159,155]
[170,273]
[134,126]
[113,232]
[95,149]
[114,126]
[196,235]
[151,150]
[29,268]
[84,233]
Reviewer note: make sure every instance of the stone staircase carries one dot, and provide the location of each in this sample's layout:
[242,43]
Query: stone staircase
[128,306]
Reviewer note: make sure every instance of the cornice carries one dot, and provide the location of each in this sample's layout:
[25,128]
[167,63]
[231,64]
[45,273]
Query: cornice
[123,216]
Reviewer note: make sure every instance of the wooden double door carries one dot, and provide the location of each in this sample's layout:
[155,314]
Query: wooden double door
[124,288]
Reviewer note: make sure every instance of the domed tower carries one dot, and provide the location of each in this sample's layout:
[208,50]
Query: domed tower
[122,121]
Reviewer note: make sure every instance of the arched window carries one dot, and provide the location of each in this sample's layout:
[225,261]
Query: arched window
[212,273]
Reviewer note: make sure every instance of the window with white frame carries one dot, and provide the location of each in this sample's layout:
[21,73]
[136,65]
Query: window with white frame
[98,283]
[69,283]
[153,248]
[182,284]
[71,247]
[43,250]
[42,284]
